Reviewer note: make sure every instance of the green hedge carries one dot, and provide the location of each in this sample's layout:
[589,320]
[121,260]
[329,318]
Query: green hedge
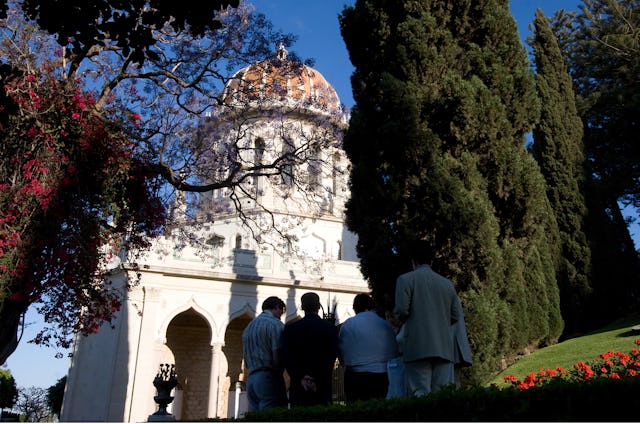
[599,399]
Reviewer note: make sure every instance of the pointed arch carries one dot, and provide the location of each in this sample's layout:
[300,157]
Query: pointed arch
[313,245]
[246,309]
[191,304]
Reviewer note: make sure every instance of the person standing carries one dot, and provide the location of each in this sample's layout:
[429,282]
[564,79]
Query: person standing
[310,347]
[366,342]
[262,350]
[426,303]
[398,386]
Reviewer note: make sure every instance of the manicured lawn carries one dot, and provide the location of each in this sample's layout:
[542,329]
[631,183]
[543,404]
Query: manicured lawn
[616,336]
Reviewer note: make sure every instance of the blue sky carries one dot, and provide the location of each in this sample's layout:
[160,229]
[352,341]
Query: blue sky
[316,24]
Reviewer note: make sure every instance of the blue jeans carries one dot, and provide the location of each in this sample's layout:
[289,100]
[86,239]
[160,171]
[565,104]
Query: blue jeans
[398,386]
[265,389]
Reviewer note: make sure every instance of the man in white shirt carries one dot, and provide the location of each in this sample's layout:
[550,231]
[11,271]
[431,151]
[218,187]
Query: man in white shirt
[366,343]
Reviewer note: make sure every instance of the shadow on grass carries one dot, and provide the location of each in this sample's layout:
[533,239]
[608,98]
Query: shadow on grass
[625,323]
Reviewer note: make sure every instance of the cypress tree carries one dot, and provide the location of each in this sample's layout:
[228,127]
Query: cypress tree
[600,45]
[559,151]
[444,96]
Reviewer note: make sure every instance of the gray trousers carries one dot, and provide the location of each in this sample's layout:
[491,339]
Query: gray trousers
[428,375]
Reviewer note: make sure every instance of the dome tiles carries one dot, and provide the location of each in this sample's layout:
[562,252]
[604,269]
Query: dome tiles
[280,82]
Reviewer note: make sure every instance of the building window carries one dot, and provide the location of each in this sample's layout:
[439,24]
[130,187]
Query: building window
[336,173]
[258,155]
[314,168]
[216,241]
[287,171]
[238,241]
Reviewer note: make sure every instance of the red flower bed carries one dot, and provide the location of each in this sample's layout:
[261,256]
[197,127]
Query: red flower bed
[614,365]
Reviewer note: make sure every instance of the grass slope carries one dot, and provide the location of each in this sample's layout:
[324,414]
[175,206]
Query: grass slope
[617,336]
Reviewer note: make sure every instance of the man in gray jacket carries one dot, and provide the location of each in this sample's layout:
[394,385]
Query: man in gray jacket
[426,303]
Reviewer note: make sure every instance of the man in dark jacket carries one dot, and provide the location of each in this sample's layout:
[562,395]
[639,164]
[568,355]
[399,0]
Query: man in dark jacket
[310,348]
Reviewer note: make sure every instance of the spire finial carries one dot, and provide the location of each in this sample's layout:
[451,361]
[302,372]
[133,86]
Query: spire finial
[282,52]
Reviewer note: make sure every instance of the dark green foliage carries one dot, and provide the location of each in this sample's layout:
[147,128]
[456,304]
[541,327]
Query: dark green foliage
[559,151]
[599,399]
[128,24]
[600,44]
[616,272]
[602,49]
[55,395]
[444,96]
[8,389]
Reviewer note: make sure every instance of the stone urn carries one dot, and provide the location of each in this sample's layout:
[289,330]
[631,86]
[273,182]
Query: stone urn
[164,382]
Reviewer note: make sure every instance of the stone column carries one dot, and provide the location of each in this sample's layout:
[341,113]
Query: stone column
[216,350]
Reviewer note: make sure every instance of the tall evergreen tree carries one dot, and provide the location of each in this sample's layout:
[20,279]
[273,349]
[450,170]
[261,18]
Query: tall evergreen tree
[602,50]
[601,46]
[55,395]
[559,151]
[444,96]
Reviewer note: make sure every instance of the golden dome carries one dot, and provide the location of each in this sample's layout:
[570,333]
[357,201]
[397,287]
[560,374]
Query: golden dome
[282,83]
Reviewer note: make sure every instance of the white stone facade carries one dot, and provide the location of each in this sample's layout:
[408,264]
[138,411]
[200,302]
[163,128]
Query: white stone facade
[192,303]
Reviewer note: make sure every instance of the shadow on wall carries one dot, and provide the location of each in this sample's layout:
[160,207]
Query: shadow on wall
[231,402]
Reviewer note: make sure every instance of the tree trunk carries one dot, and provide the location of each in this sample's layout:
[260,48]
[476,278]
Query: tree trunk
[10,318]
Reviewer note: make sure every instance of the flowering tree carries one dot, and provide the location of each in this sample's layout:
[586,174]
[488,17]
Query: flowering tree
[102,124]
[70,182]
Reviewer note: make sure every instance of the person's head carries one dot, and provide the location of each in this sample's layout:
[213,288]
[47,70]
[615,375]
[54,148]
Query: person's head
[421,252]
[310,302]
[275,305]
[363,302]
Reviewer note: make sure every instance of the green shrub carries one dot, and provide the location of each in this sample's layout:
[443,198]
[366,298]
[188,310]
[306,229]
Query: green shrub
[592,400]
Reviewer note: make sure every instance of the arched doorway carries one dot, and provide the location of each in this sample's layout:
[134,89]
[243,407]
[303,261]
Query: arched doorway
[189,337]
